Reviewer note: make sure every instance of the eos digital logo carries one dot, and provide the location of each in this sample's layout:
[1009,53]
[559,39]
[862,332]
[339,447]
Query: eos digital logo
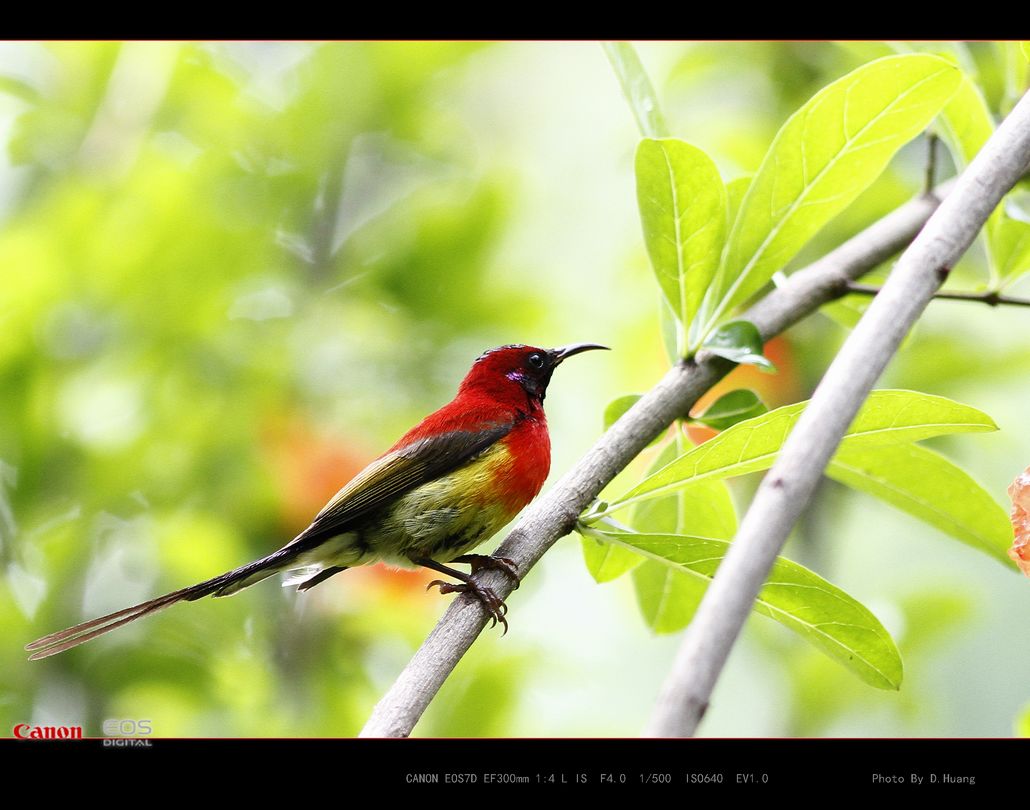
[128,728]
[133,729]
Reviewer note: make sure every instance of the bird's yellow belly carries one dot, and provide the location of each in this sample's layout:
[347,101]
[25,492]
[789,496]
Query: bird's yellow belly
[441,519]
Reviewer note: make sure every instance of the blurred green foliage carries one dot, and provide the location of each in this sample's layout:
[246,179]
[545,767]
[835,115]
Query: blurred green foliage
[231,274]
[197,291]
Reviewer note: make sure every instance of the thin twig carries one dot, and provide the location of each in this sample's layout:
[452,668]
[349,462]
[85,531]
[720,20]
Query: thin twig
[554,514]
[931,162]
[786,490]
[992,299]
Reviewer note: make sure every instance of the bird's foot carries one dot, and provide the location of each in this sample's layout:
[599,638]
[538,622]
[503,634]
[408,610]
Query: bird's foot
[488,562]
[492,602]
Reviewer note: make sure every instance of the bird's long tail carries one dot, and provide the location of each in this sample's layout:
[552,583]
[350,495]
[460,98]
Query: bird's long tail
[224,585]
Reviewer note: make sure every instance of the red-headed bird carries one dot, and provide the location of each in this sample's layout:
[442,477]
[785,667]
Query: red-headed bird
[449,484]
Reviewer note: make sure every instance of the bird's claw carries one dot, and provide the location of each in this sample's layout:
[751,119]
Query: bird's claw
[488,562]
[492,602]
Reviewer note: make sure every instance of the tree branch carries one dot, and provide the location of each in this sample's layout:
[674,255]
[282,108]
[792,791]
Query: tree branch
[787,488]
[992,299]
[931,162]
[554,514]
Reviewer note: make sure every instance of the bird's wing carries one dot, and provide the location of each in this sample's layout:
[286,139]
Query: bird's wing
[398,472]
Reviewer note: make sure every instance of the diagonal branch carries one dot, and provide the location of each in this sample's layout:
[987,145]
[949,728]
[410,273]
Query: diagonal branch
[787,488]
[554,514]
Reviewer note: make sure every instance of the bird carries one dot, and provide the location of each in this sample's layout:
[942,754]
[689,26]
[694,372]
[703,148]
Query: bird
[445,487]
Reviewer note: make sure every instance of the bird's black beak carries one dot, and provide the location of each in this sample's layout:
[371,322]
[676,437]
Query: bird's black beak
[559,354]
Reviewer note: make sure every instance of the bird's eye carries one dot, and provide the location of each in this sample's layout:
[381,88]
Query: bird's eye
[536,360]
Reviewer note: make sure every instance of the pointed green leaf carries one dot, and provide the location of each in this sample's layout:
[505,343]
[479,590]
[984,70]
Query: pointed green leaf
[1025,48]
[637,88]
[821,613]
[736,406]
[683,213]
[607,561]
[930,487]
[825,155]
[965,123]
[887,417]
[735,191]
[740,342]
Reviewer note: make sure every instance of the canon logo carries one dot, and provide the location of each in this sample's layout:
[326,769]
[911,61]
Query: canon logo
[23,731]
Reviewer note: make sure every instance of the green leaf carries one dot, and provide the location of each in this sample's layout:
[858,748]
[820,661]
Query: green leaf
[706,510]
[736,406]
[1011,245]
[670,327]
[607,561]
[740,342]
[1025,48]
[735,191]
[668,597]
[823,157]
[1016,75]
[887,417]
[965,123]
[637,88]
[930,487]
[799,599]
[683,213]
